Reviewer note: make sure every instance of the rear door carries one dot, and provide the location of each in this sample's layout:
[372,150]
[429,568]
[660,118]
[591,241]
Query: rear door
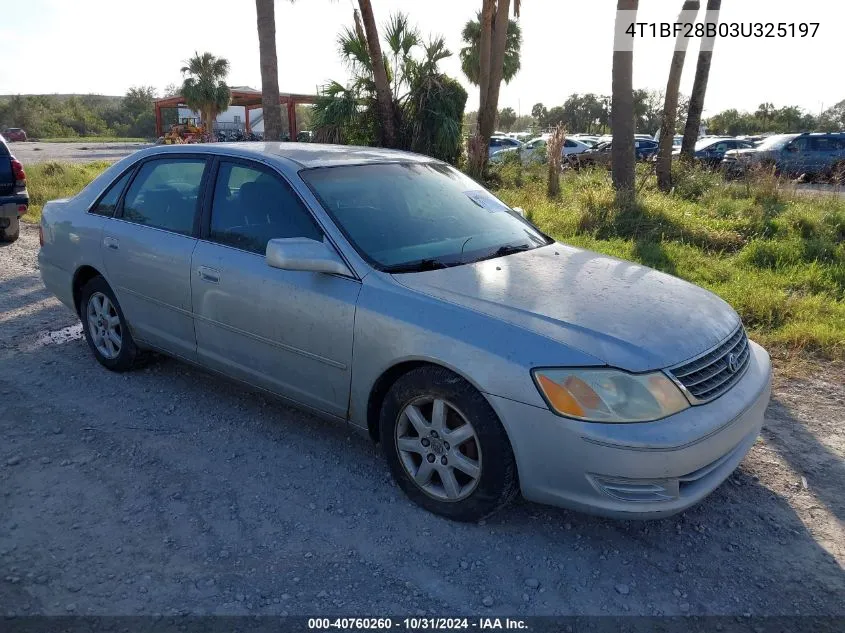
[287,331]
[147,250]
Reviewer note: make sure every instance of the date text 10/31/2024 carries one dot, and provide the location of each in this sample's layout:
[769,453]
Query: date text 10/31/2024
[416,624]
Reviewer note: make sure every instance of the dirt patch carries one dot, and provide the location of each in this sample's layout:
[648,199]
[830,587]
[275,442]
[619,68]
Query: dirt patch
[172,491]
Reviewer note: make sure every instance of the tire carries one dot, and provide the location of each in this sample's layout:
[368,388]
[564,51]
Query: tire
[11,232]
[127,353]
[489,449]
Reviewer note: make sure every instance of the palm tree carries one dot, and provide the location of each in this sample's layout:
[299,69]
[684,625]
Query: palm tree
[271,108]
[384,97]
[470,57]
[204,87]
[699,87]
[492,44]
[670,105]
[382,83]
[622,112]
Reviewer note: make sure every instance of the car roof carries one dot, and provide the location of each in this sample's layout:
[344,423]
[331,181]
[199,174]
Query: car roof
[305,155]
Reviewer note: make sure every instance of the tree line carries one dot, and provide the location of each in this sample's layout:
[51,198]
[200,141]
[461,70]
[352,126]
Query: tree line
[58,116]
[590,113]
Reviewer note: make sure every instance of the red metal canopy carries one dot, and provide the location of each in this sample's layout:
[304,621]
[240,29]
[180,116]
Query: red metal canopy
[248,98]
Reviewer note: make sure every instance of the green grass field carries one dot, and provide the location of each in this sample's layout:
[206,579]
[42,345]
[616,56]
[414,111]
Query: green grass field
[52,180]
[778,258]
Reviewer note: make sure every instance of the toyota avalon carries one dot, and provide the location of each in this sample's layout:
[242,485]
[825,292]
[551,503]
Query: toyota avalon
[389,291]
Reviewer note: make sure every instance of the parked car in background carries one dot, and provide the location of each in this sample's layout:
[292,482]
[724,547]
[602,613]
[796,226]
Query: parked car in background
[14,198]
[644,149]
[814,155]
[14,134]
[588,139]
[710,151]
[677,140]
[534,151]
[513,362]
[498,143]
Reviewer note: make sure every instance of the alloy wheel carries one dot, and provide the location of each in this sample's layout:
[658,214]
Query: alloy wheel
[439,449]
[104,325]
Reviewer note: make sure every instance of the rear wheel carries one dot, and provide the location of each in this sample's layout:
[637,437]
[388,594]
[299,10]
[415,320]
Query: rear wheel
[11,231]
[105,327]
[445,445]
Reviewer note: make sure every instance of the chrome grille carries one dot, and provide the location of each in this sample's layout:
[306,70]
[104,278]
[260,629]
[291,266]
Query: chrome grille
[710,375]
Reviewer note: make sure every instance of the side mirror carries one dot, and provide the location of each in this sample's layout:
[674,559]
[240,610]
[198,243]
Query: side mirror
[520,211]
[303,254]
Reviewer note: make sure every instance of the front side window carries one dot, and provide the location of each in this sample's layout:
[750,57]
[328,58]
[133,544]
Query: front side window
[406,216]
[164,194]
[252,206]
[801,144]
[108,203]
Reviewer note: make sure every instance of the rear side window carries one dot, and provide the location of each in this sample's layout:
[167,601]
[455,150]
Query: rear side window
[108,202]
[826,144]
[253,206]
[164,194]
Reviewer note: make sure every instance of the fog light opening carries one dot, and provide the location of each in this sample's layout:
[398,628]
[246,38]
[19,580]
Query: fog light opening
[638,490]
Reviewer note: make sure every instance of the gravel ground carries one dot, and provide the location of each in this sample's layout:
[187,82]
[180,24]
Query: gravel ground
[171,491]
[29,153]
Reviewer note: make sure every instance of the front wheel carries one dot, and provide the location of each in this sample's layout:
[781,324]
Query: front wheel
[445,445]
[105,327]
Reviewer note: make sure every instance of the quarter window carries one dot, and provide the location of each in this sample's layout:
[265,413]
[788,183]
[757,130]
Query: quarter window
[164,194]
[252,206]
[108,203]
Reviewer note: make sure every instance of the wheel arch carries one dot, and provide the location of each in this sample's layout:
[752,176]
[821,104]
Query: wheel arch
[82,276]
[388,378]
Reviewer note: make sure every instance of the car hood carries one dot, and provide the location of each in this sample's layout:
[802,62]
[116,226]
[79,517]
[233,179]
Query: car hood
[627,315]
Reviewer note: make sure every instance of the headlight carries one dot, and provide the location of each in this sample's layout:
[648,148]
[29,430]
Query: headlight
[609,395]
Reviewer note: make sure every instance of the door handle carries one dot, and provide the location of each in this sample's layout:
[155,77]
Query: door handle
[211,275]
[111,242]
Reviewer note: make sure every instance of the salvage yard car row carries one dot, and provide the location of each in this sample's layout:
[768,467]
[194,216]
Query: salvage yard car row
[817,155]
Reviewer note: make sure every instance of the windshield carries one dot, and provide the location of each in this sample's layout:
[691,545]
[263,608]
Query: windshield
[776,142]
[403,217]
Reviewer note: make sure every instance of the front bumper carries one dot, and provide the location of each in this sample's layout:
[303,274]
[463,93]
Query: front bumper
[642,470]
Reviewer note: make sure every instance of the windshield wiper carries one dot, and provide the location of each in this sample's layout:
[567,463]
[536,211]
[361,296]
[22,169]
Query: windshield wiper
[419,266]
[507,249]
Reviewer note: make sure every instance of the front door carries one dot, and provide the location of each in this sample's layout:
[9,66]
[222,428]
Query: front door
[287,331]
[147,250]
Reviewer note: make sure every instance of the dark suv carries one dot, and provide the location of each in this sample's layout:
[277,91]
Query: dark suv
[817,155]
[14,198]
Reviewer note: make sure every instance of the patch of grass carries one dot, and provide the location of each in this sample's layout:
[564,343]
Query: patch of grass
[776,256]
[52,180]
[94,139]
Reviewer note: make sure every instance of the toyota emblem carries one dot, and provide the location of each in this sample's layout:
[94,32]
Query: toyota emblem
[733,363]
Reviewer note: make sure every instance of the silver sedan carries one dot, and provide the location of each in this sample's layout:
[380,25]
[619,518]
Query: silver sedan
[391,292]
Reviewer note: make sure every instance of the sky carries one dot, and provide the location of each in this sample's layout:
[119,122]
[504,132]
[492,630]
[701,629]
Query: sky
[106,46]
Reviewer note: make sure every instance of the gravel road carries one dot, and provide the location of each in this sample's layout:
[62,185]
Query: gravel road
[29,153]
[169,491]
